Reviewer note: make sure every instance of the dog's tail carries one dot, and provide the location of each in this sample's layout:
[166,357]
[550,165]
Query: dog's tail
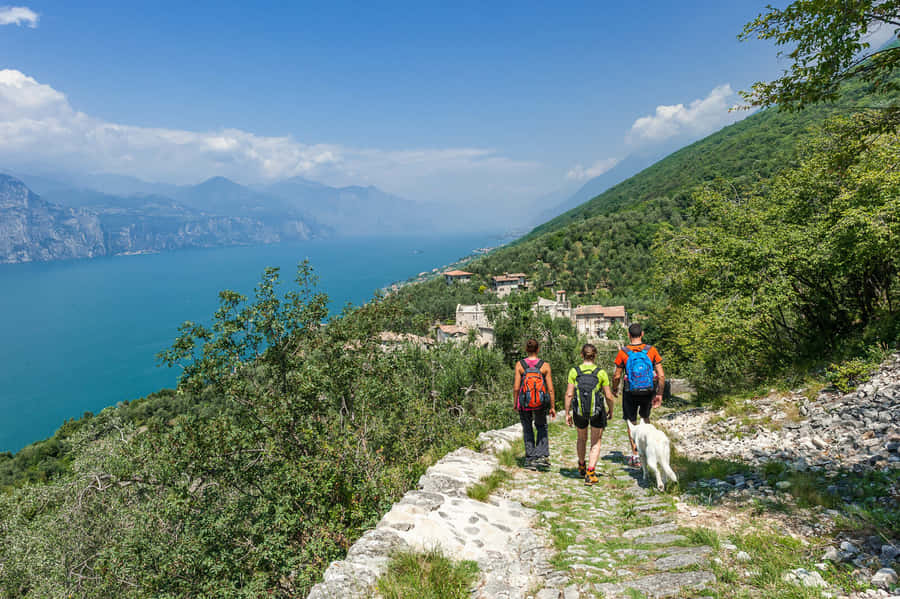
[670,474]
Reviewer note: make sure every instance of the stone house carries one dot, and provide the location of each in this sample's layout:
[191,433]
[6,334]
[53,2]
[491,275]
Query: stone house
[455,333]
[450,332]
[457,276]
[475,315]
[594,320]
[558,308]
[507,283]
[389,340]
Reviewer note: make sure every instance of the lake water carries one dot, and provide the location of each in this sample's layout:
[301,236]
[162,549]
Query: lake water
[81,335]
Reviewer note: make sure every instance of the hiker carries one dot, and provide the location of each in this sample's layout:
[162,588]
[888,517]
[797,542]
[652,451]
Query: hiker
[534,398]
[585,385]
[644,382]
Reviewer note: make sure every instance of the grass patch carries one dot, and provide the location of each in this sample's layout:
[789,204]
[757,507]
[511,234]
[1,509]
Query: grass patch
[429,575]
[509,457]
[480,490]
[702,536]
[771,556]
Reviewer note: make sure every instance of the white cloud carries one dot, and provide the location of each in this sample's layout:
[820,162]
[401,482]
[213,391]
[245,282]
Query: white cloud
[580,173]
[40,129]
[18,15]
[880,35]
[700,117]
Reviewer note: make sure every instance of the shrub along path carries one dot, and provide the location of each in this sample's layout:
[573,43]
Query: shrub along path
[617,538]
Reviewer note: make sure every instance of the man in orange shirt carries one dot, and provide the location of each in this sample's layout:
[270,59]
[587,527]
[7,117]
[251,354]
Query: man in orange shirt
[646,391]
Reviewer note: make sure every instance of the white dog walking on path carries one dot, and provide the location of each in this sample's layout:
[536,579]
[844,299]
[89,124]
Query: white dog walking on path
[653,447]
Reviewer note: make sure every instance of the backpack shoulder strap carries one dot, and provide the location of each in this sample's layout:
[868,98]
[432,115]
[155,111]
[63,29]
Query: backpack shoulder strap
[578,371]
[524,365]
[646,349]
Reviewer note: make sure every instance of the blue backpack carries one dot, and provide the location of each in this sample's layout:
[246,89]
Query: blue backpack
[639,370]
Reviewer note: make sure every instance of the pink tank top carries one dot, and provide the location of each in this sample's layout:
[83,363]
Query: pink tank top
[532,361]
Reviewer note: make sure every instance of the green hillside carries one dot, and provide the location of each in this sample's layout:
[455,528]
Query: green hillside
[752,149]
[601,250]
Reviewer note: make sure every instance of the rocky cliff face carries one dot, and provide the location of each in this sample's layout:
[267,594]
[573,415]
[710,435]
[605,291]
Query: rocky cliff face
[32,229]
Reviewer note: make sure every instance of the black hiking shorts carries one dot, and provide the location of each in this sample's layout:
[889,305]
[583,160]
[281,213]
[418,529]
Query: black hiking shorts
[596,421]
[632,405]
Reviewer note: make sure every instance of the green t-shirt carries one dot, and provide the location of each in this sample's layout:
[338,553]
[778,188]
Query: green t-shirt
[602,377]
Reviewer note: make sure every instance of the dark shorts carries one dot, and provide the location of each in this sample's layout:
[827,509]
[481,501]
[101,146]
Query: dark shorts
[632,405]
[596,421]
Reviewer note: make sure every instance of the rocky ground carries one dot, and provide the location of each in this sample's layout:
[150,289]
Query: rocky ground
[857,431]
[809,468]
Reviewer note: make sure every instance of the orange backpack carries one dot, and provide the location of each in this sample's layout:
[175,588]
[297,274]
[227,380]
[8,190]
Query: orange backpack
[533,392]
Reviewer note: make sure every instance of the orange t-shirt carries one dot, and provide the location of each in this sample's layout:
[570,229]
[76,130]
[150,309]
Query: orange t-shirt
[622,357]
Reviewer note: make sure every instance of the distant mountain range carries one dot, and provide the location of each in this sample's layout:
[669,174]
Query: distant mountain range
[54,217]
[86,224]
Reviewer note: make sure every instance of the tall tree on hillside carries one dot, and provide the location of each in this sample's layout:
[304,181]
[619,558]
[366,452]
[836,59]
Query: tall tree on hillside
[828,41]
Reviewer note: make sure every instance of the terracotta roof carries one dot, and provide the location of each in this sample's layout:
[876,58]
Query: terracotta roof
[507,278]
[452,329]
[458,273]
[598,310]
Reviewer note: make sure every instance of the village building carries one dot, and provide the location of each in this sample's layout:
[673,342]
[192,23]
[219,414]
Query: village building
[476,315]
[558,308]
[454,333]
[507,283]
[389,340]
[450,332]
[594,321]
[457,276]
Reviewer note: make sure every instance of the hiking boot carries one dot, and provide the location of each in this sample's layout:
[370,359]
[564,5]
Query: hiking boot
[582,469]
[542,462]
[591,478]
[531,463]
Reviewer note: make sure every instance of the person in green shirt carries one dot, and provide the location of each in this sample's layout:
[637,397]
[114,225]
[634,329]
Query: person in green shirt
[586,382]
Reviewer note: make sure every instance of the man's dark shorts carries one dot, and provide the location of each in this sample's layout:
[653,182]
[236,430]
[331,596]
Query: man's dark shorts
[596,421]
[632,405]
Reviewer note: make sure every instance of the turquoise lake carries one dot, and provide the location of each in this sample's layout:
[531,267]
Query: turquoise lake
[81,335]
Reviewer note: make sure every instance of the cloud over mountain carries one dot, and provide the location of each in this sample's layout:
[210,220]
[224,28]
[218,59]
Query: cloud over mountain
[39,127]
[700,117]
[582,173]
[18,15]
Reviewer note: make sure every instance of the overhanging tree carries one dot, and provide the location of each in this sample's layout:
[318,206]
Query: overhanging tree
[828,41]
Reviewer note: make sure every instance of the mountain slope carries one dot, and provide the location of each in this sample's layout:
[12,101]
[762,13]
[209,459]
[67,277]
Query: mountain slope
[628,167]
[754,148]
[600,251]
[33,229]
[357,210]
[86,224]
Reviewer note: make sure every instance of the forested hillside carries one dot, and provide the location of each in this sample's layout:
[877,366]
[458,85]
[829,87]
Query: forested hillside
[601,251]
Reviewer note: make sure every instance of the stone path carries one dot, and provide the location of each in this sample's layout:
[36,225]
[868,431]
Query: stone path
[617,538]
[540,535]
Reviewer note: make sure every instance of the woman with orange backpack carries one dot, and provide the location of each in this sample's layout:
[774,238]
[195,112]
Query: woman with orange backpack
[534,398]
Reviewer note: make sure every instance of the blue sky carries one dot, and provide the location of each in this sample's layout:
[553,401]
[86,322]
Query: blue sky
[453,102]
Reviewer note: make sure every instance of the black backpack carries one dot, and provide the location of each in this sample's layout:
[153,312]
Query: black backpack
[586,386]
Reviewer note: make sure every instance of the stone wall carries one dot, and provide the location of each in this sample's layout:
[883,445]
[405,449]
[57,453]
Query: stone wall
[497,534]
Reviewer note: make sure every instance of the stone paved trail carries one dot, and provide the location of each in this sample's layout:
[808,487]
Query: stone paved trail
[617,538]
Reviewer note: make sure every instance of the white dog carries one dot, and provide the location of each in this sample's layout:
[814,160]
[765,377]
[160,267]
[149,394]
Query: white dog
[653,447]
